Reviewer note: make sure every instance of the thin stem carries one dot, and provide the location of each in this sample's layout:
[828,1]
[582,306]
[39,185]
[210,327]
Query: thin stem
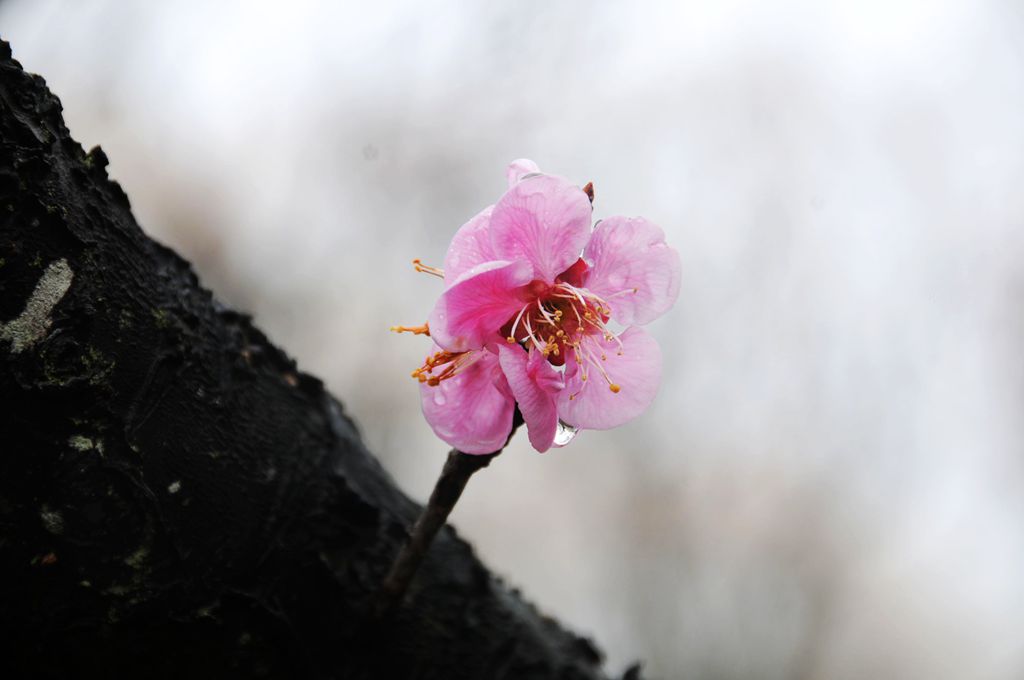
[457,470]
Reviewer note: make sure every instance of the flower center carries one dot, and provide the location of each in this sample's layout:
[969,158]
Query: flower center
[565,321]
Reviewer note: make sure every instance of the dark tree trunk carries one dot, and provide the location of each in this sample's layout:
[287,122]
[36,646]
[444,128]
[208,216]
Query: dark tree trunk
[176,498]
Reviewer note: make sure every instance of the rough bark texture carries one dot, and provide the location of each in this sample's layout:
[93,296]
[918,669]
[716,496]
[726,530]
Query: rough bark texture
[176,498]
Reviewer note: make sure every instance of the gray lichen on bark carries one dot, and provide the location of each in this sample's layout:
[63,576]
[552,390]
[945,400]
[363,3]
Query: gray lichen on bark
[33,323]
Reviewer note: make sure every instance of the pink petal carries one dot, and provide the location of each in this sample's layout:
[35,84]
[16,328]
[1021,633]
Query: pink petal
[518,169]
[544,220]
[470,246]
[476,305]
[535,383]
[473,410]
[637,372]
[627,254]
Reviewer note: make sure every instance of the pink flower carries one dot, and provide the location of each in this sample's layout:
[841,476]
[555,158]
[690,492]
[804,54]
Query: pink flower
[524,318]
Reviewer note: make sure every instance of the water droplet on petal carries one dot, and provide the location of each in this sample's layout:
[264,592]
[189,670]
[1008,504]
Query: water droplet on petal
[439,397]
[565,433]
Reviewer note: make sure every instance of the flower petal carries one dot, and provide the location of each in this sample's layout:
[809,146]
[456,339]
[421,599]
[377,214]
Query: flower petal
[535,384]
[544,220]
[473,410]
[628,254]
[470,246]
[636,371]
[476,305]
[517,169]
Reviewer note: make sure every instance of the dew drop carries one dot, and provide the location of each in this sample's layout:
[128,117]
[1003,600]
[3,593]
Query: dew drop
[439,397]
[565,433]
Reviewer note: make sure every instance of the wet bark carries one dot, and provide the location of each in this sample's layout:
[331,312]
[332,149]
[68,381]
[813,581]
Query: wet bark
[177,499]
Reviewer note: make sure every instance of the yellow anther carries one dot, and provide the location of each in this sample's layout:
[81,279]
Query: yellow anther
[614,388]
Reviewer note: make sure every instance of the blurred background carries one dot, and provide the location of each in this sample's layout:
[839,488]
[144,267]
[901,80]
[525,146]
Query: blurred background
[831,481]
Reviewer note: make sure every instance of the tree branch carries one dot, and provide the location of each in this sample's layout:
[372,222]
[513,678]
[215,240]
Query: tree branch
[176,498]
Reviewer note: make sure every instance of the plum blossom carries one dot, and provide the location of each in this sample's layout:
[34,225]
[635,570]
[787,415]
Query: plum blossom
[529,291]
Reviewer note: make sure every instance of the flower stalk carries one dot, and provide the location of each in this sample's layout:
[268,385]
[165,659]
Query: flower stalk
[455,474]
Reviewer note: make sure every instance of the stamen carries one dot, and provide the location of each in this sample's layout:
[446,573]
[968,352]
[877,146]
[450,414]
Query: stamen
[575,291]
[589,318]
[548,316]
[628,291]
[515,324]
[604,374]
[575,311]
[415,330]
[427,269]
[530,334]
[456,363]
[612,336]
